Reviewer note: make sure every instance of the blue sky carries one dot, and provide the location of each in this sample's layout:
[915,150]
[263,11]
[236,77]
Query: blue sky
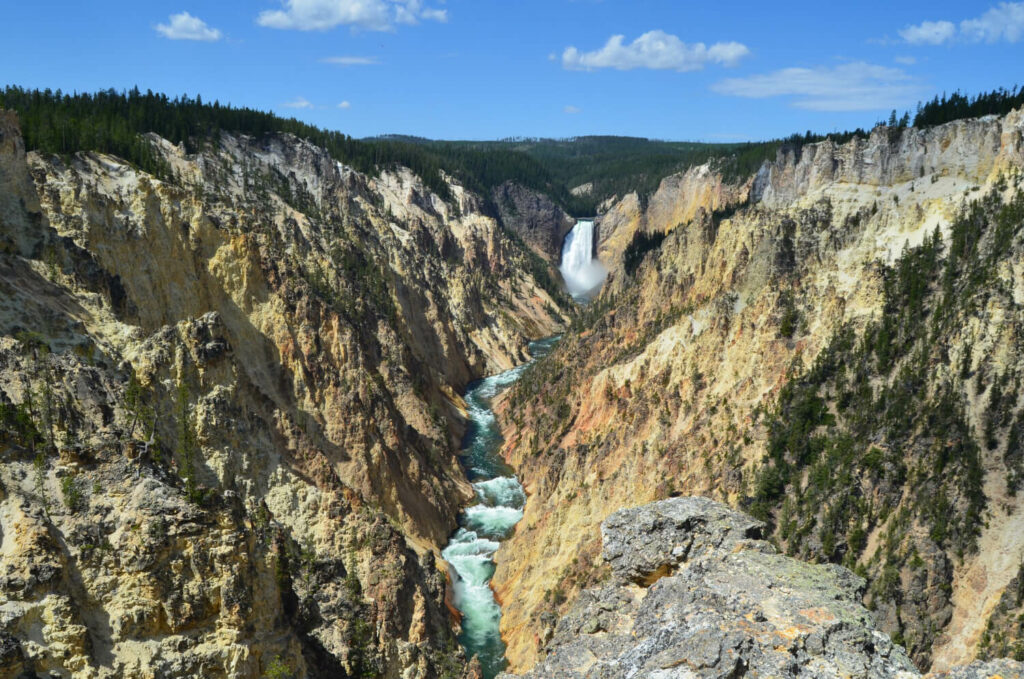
[483,69]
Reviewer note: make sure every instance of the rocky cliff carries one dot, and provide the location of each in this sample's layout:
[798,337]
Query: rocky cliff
[535,218]
[833,344]
[695,592]
[229,407]
[677,201]
[229,414]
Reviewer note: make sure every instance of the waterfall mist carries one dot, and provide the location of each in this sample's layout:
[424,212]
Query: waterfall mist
[580,270]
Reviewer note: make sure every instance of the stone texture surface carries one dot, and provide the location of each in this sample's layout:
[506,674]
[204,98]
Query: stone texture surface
[731,607]
[535,218]
[992,669]
[654,539]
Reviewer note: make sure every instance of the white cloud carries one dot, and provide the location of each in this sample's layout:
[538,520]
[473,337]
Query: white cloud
[856,86]
[906,61]
[412,11]
[654,50]
[1002,22]
[371,15]
[184,26]
[345,105]
[351,61]
[300,102]
[1005,22]
[572,110]
[929,33]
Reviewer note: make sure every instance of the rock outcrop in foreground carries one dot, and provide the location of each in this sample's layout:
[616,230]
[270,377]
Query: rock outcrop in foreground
[696,593]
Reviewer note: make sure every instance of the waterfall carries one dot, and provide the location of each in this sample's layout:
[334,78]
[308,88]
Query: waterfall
[581,271]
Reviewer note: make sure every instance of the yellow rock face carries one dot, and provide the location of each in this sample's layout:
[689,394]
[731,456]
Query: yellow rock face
[661,395]
[299,332]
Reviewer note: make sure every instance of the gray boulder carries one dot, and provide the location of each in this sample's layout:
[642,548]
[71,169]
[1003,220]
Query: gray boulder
[696,594]
[643,543]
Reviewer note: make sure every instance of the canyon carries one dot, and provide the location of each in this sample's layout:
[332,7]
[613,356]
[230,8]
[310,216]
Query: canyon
[267,415]
[782,343]
[246,450]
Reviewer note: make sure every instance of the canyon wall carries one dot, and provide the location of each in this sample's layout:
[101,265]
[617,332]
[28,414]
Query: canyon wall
[534,217]
[230,409]
[677,201]
[230,412]
[833,345]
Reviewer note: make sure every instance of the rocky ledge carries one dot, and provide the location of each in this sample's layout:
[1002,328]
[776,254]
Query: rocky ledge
[696,593]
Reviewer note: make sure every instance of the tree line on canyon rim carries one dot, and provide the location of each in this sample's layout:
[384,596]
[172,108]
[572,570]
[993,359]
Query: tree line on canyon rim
[113,122]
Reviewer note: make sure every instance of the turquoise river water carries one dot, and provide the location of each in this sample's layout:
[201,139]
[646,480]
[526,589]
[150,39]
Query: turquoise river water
[482,527]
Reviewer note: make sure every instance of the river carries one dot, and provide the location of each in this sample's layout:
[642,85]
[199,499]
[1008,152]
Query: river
[483,526]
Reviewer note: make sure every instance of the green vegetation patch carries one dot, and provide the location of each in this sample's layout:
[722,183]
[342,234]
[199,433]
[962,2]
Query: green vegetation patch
[876,435]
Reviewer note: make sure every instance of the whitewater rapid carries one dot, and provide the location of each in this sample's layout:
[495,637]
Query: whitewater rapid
[500,499]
